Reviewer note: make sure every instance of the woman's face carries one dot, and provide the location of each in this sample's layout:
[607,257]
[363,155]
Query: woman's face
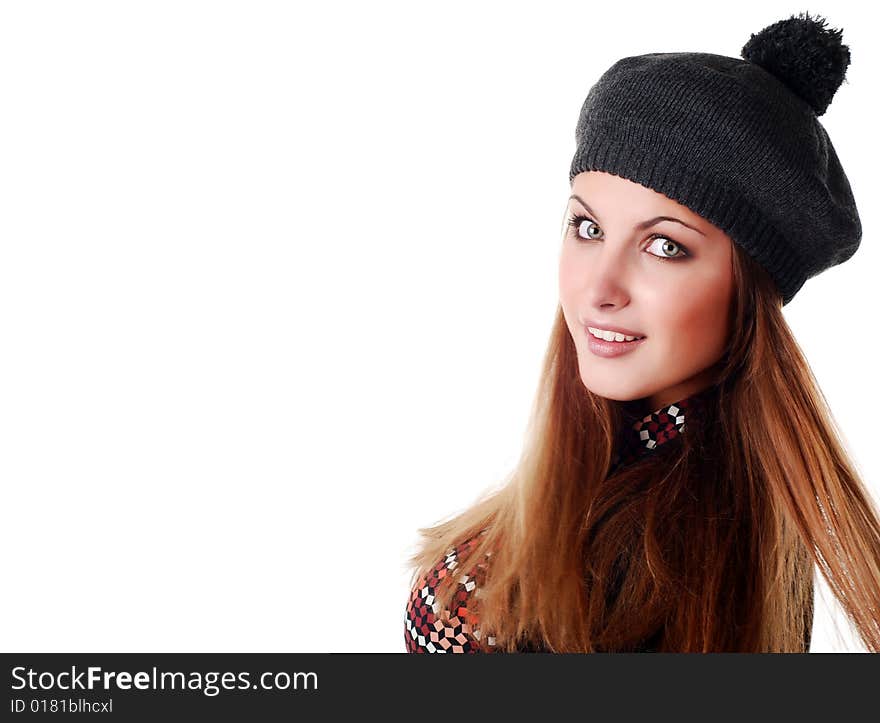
[673,289]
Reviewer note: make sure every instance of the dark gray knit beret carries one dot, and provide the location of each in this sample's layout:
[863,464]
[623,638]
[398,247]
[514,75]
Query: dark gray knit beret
[737,141]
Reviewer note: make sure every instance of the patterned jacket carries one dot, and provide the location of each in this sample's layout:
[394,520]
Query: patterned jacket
[427,629]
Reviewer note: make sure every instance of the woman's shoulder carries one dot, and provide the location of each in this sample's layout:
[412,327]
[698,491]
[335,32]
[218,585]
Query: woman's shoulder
[427,628]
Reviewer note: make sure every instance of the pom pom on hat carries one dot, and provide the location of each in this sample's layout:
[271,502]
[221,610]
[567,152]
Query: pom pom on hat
[807,57]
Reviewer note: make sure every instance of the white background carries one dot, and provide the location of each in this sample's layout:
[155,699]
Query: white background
[276,281]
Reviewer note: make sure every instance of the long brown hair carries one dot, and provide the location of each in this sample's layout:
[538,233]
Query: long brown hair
[708,549]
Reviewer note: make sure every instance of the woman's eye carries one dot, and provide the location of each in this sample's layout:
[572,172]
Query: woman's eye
[587,228]
[669,250]
[674,253]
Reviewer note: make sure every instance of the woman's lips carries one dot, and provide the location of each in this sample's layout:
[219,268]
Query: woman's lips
[603,348]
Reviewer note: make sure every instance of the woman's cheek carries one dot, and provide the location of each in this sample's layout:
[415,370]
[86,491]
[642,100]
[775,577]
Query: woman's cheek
[573,272]
[701,331]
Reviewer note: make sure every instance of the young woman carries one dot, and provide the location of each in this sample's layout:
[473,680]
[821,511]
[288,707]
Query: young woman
[682,472]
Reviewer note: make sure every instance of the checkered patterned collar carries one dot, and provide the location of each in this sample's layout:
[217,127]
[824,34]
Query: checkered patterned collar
[643,434]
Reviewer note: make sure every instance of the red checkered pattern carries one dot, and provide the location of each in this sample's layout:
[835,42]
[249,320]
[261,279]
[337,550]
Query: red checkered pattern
[431,630]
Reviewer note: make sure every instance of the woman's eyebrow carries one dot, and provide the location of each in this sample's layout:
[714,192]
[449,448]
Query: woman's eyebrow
[643,224]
